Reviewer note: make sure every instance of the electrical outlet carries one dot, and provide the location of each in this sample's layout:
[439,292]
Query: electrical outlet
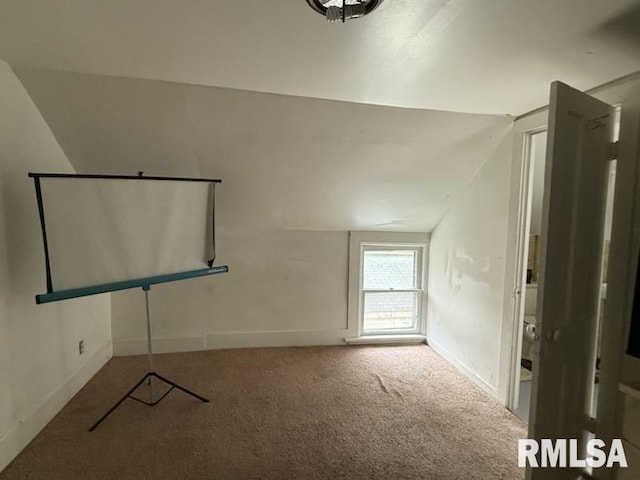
[81,347]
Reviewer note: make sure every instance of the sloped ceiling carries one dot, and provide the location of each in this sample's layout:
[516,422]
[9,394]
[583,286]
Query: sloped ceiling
[298,116]
[481,56]
[286,162]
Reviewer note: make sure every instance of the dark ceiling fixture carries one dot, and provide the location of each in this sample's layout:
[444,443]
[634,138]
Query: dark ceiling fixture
[344,10]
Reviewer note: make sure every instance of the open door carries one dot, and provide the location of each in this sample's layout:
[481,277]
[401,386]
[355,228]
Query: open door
[580,136]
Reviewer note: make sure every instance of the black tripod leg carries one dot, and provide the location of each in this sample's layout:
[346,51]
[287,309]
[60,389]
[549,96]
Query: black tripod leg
[175,385]
[124,397]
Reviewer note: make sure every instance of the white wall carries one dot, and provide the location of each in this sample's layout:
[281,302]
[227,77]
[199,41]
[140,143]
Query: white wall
[40,367]
[285,162]
[284,287]
[297,175]
[538,157]
[466,272]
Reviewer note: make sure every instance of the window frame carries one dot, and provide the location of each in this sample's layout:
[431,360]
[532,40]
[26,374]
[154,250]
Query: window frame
[374,241]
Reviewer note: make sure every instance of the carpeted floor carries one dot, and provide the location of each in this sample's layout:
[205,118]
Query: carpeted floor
[284,413]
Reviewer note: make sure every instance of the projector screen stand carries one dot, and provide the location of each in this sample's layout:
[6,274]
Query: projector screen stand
[148,377]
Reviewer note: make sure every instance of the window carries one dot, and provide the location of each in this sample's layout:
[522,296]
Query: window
[391,289]
[386,283]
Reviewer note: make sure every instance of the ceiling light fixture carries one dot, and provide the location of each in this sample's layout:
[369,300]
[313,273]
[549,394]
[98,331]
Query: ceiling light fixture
[344,10]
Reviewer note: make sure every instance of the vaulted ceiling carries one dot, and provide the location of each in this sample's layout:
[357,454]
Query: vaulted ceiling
[300,116]
[480,56]
[286,162]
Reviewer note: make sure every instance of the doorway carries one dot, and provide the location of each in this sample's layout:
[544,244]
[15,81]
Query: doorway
[529,263]
[535,154]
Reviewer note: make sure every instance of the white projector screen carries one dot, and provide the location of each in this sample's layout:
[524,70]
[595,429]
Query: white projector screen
[104,229]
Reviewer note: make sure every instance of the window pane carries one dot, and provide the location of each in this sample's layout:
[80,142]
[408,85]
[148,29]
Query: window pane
[385,269]
[390,310]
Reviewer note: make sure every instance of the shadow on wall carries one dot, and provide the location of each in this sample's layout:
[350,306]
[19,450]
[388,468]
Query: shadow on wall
[21,228]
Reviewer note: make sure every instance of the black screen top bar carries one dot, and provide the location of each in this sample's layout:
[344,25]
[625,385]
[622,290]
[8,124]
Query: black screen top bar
[121,177]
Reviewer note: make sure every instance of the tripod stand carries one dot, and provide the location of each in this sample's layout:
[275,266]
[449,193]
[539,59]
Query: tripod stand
[148,377]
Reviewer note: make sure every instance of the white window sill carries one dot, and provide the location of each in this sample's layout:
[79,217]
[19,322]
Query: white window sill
[386,339]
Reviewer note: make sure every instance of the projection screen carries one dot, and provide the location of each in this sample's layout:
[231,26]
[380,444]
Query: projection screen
[102,230]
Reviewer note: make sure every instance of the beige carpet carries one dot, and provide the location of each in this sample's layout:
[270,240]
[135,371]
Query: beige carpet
[284,413]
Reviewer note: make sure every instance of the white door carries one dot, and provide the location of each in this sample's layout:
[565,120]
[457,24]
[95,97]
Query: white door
[581,130]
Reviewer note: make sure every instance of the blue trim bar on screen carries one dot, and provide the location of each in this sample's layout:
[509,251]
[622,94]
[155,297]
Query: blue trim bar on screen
[126,284]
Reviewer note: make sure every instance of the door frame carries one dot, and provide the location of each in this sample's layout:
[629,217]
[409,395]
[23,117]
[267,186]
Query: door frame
[523,141]
[614,93]
[623,258]
[517,243]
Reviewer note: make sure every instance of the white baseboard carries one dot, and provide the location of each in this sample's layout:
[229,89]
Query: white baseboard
[281,338]
[25,430]
[222,340]
[443,352]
